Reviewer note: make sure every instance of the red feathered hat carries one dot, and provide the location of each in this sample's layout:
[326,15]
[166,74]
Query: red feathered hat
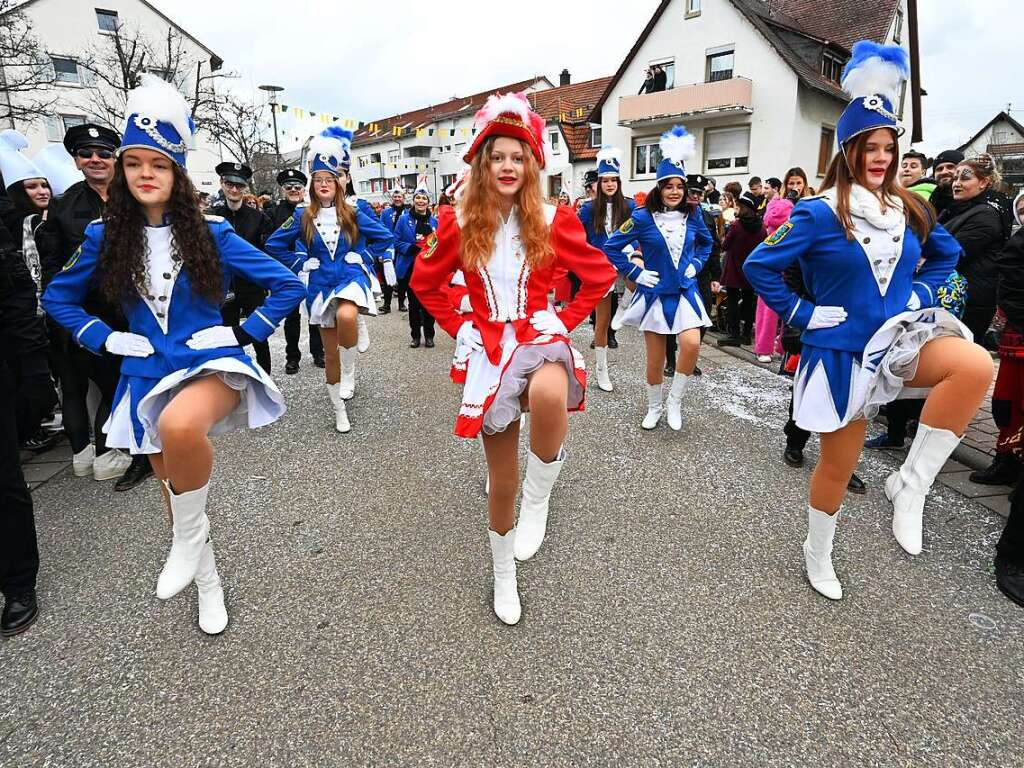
[508,115]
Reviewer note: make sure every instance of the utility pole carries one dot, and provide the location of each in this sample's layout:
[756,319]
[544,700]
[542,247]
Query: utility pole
[915,73]
[273,90]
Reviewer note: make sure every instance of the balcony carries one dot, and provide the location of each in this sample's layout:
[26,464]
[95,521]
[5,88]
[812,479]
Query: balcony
[700,100]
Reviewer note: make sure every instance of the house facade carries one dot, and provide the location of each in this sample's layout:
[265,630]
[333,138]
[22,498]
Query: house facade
[70,29]
[755,82]
[1003,138]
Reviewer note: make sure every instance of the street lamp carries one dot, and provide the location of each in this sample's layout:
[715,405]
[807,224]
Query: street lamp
[273,90]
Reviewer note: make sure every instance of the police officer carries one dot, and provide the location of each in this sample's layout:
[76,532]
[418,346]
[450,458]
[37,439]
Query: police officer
[253,226]
[92,147]
[293,193]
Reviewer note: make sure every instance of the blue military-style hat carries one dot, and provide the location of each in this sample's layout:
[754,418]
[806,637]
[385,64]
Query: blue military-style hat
[330,150]
[677,146]
[609,161]
[158,119]
[873,78]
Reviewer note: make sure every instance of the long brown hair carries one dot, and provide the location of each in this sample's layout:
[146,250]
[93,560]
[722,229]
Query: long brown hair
[620,211]
[479,208]
[919,212]
[346,215]
[799,173]
[122,262]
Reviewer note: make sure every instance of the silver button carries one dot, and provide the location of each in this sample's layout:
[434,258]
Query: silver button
[896,239]
[163,298]
[883,280]
[892,260]
[150,297]
[867,240]
[160,314]
[167,275]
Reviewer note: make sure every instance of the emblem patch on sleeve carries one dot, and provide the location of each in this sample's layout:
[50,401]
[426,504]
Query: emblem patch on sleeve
[627,226]
[288,223]
[429,246]
[779,234]
[73,260]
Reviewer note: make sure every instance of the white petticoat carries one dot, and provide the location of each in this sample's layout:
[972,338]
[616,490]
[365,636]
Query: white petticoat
[490,395]
[638,315]
[876,377]
[324,309]
[260,403]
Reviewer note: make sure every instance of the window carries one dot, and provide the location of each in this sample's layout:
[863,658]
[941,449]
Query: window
[106,21]
[726,149]
[719,66]
[393,155]
[447,179]
[374,157]
[595,135]
[164,74]
[553,140]
[364,187]
[646,156]
[898,31]
[828,137]
[692,8]
[66,70]
[903,99]
[70,120]
[668,66]
[831,67]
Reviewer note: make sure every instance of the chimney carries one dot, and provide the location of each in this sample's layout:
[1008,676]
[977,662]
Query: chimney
[565,78]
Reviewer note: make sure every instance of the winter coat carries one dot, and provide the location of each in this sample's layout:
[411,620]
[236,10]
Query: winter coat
[737,244]
[977,224]
[1011,295]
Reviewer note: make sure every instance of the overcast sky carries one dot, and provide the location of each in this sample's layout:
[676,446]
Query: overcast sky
[368,60]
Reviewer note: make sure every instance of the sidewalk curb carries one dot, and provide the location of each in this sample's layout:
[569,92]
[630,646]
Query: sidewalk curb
[965,454]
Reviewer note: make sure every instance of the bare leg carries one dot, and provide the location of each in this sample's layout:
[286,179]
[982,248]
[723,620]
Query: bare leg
[156,461]
[332,369]
[549,421]
[689,349]
[602,318]
[184,425]
[840,452]
[345,324]
[655,343]
[959,373]
[502,451]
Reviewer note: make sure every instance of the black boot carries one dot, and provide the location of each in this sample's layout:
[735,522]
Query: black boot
[794,457]
[319,362]
[613,343]
[20,613]
[138,471]
[1010,579]
[1004,470]
[856,485]
[292,366]
[429,342]
[415,343]
[730,341]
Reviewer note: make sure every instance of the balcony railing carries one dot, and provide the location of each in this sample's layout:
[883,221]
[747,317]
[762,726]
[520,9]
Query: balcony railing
[732,96]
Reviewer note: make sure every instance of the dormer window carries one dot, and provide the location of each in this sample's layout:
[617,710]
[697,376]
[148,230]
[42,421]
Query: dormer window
[831,67]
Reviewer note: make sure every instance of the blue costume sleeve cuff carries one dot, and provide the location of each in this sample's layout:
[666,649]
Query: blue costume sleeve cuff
[634,272]
[800,316]
[257,326]
[924,292]
[93,335]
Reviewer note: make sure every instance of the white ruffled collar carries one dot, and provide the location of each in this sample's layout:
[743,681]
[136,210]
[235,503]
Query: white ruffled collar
[864,204]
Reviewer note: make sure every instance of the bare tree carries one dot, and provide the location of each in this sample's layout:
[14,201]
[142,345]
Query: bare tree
[240,127]
[116,63]
[26,72]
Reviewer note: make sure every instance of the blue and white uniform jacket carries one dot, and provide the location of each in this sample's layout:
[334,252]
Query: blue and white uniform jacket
[406,246]
[341,263]
[671,242]
[598,239]
[872,275]
[168,313]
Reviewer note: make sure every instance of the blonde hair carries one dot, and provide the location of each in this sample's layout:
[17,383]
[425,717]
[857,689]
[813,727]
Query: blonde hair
[480,204]
[984,167]
[346,215]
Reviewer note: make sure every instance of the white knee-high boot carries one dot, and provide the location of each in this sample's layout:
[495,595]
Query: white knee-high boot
[604,381]
[908,486]
[674,401]
[654,407]
[821,530]
[213,616]
[506,588]
[533,508]
[341,422]
[348,372]
[190,527]
[363,338]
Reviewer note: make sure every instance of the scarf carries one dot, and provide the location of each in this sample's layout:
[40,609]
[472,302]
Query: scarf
[422,222]
[865,205]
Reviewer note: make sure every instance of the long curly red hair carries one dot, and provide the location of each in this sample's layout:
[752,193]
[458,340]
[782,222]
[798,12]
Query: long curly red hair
[479,212]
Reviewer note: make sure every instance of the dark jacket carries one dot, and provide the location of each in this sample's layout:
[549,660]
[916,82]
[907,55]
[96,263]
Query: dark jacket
[713,266]
[254,227]
[280,213]
[1011,295]
[60,235]
[978,226]
[738,243]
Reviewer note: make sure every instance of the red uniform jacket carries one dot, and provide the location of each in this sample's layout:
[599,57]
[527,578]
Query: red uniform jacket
[440,257]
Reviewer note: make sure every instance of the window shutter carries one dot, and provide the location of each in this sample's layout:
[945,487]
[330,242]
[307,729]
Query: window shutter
[54,128]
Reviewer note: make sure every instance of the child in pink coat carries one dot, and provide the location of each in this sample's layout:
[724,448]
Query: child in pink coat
[766,322]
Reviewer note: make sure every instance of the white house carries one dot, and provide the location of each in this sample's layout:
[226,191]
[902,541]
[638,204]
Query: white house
[1003,138]
[431,140]
[69,29]
[756,82]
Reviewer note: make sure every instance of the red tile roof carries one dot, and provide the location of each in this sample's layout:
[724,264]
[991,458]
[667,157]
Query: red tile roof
[570,106]
[418,118]
[840,21]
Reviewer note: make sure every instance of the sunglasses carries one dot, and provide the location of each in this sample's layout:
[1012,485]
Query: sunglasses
[292,186]
[234,184]
[85,153]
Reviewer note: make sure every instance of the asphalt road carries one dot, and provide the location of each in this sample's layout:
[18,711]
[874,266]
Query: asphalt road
[666,621]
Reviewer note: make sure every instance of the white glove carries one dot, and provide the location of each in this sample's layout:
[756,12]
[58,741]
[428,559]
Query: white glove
[128,345]
[389,273]
[465,306]
[213,337]
[691,271]
[826,317]
[548,322]
[310,264]
[914,302]
[647,279]
[469,336]
[353,258]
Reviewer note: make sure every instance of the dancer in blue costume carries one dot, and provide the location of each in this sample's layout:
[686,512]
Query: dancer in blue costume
[675,245]
[184,376]
[873,259]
